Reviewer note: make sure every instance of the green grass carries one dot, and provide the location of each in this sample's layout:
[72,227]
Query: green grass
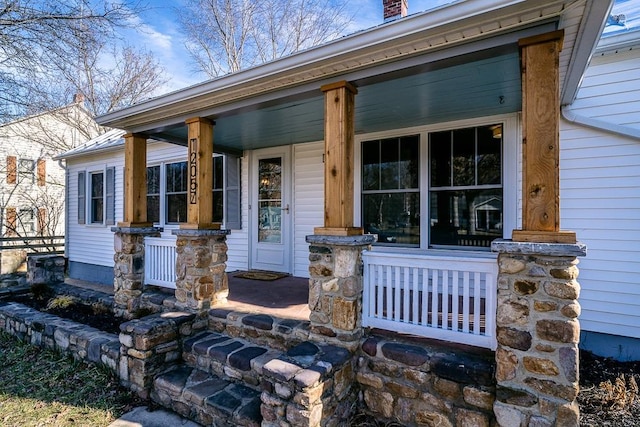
[43,387]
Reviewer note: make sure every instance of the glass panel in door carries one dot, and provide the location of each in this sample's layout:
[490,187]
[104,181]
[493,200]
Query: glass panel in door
[270,200]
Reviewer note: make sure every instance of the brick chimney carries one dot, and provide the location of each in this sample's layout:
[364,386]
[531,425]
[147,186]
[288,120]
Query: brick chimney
[394,9]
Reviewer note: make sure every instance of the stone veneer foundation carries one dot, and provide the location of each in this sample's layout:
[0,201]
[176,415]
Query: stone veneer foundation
[538,333]
[201,281]
[335,288]
[128,269]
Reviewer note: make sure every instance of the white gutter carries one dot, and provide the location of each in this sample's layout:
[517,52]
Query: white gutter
[358,41]
[572,117]
[588,35]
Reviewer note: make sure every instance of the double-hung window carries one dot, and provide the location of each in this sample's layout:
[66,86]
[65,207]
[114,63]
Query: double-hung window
[167,187]
[176,192]
[26,169]
[153,193]
[453,198]
[96,191]
[465,186]
[390,190]
[96,196]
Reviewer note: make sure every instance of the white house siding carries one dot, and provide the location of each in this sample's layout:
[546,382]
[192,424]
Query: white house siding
[600,200]
[610,90]
[308,190]
[92,243]
[600,195]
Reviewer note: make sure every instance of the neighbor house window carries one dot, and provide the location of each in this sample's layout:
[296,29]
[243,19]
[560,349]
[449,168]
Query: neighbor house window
[26,169]
[26,218]
[390,190]
[460,186]
[176,192]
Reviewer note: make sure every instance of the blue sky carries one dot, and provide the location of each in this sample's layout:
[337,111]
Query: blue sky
[159,33]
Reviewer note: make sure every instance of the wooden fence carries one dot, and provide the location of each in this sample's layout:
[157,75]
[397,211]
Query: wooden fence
[34,244]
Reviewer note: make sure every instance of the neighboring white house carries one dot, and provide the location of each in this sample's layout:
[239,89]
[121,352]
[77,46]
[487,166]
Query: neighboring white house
[437,153]
[32,184]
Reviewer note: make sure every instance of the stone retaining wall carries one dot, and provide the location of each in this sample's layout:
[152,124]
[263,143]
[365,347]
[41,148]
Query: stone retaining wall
[426,384]
[152,345]
[52,332]
[45,269]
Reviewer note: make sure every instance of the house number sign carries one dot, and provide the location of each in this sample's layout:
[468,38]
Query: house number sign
[193,171]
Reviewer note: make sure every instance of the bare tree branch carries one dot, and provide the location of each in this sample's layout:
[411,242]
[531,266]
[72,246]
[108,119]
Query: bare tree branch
[230,35]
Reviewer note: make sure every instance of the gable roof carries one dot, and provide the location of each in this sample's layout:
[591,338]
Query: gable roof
[110,140]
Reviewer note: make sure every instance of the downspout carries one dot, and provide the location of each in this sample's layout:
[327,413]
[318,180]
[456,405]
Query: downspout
[570,116]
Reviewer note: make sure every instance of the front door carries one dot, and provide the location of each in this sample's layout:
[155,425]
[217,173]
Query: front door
[270,210]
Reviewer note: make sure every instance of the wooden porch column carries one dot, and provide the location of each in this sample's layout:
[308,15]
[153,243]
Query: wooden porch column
[339,131]
[540,56]
[135,181]
[200,167]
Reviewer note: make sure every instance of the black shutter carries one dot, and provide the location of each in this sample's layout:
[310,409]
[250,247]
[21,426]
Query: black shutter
[110,197]
[233,211]
[82,204]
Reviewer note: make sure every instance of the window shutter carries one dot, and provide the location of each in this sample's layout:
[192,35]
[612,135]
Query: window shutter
[233,212]
[42,220]
[12,169]
[42,172]
[12,221]
[110,193]
[82,205]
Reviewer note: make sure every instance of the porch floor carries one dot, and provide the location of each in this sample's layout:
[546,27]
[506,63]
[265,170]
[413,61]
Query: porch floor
[286,297]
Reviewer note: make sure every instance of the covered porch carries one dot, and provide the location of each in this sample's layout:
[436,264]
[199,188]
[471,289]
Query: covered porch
[497,76]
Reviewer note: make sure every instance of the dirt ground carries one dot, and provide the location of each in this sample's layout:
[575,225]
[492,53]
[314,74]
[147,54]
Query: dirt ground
[608,392]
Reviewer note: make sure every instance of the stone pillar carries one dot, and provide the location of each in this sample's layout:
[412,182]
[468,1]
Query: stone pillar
[128,269]
[335,288]
[538,333]
[201,281]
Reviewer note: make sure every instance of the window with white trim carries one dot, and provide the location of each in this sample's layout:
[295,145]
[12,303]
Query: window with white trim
[167,192]
[26,220]
[96,196]
[453,198]
[26,169]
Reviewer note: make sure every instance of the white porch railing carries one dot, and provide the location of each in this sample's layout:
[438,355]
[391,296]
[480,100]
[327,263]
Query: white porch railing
[160,262]
[442,297]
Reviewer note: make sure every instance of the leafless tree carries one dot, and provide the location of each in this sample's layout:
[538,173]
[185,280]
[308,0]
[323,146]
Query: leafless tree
[31,28]
[229,35]
[55,52]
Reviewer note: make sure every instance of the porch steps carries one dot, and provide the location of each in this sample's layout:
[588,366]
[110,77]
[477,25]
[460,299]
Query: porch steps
[229,381]
[233,359]
[260,329]
[207,398]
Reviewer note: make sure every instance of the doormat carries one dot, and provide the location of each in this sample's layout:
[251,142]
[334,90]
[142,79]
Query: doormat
[260,275]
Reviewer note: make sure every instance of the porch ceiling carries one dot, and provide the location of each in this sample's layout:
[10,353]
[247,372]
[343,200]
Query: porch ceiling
[483,83]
